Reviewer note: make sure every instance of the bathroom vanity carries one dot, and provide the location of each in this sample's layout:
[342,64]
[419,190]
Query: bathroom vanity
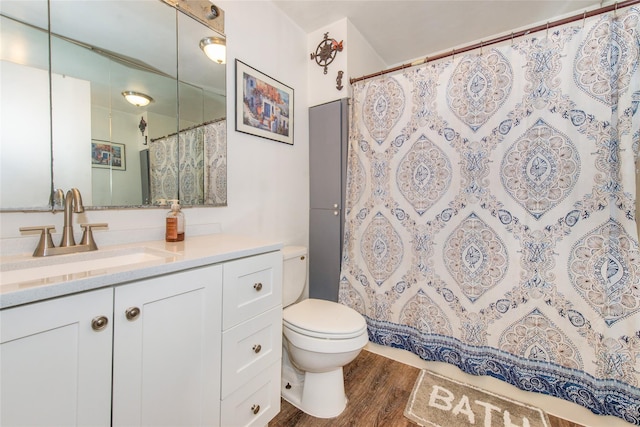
[158,333]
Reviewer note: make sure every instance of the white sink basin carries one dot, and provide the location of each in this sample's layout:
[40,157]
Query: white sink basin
[86,264]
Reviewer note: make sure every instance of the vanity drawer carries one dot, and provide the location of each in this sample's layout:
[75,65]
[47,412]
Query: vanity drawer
[251,286]
[256,402]
[249,348]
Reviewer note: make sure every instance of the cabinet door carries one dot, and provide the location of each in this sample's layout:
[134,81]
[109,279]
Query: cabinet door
[167,333]
[328,154]
[325,240]
[56,362]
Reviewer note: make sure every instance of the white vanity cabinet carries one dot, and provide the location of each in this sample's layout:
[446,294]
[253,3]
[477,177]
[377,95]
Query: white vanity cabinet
[251,340]
[55,359]
[199,346]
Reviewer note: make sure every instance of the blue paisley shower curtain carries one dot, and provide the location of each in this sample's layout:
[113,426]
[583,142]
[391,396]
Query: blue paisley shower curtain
[491,212]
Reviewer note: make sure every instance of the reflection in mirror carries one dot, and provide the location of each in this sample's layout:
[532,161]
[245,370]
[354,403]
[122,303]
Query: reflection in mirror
[202,112]
[97,141]
[96,136]
[192,162]
[25,134]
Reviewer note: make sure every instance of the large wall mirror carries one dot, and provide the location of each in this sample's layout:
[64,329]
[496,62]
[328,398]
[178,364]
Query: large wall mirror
[66,66]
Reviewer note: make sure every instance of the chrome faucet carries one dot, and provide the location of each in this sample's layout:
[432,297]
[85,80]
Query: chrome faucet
[72,203]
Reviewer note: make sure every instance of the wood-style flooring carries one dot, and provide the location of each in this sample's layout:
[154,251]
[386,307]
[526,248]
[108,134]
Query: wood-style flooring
[378,389]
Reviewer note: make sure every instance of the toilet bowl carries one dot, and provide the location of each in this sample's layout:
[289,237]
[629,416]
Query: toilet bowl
[320,337]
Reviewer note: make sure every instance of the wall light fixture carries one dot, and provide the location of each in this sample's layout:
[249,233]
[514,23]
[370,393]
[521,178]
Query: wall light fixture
[136,98]
[215,48]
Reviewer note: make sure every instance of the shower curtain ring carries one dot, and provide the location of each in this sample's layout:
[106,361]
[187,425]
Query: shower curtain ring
[547,36]
[584,18]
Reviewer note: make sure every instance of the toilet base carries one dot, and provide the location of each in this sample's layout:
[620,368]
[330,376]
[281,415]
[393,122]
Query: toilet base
[320,395]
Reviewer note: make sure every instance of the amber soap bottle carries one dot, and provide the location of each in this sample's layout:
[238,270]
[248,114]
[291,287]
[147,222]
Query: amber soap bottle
[175,224]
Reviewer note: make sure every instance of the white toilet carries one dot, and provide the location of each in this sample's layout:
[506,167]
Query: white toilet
[320,337]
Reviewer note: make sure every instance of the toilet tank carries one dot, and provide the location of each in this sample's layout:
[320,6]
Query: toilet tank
[294,273]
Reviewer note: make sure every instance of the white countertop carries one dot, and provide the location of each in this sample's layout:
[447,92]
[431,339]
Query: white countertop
[193,252]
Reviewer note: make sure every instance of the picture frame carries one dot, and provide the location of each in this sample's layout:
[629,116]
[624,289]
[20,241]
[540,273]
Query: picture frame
[264,106]
[108,155]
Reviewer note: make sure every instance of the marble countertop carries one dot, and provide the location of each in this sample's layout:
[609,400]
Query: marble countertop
[145,259]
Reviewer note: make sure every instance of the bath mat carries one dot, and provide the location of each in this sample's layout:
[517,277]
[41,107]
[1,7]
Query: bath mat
[437,401]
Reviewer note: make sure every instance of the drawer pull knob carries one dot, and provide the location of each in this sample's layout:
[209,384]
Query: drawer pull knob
[99,323]
[255,409]
[257,286]
[132,313]
[257,348]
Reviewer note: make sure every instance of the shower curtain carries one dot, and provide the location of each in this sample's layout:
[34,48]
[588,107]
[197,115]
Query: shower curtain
[190,166]
[490,215]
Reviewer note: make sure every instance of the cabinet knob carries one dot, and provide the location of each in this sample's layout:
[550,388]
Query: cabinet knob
[257,286]
[255,409]
[132,313]
[99,323]
[257,348]
[336,213]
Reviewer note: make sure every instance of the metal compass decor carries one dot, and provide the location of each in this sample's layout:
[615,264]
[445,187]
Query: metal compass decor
[326,51]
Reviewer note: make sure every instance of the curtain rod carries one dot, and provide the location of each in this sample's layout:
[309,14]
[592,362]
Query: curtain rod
[191,128]
[480,45]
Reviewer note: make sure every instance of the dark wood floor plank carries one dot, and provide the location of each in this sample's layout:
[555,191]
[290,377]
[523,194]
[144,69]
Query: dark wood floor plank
[378,389]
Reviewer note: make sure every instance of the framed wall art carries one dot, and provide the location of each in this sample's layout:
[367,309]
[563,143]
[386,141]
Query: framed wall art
[264,106]
[108,155]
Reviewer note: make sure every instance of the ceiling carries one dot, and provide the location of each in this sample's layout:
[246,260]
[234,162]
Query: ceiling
[401,31]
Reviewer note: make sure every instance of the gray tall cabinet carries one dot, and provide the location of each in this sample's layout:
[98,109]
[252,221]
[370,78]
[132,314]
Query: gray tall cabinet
[328,138]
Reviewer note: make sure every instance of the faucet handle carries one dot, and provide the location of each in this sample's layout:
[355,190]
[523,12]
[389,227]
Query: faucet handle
[87,234]
[45,243]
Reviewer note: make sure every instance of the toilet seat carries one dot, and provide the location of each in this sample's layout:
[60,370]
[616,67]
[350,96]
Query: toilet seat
[324,319]
[328,345]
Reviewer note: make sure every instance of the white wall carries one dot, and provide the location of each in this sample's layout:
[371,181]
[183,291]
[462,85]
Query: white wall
[322,87]
[356,59]
[268,182]
[363,59]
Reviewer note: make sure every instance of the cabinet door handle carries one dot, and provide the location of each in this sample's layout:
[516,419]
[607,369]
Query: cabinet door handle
[99,323]
[257,348]
[257,286]
[132,313]
[255,409]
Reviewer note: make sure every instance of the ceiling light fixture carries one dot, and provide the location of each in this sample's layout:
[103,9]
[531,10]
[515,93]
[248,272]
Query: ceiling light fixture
[215,49]
[136,98]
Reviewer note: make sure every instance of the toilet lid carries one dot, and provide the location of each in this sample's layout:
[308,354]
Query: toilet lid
[324,319]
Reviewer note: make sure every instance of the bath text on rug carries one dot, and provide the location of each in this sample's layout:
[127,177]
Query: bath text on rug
[442,398]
